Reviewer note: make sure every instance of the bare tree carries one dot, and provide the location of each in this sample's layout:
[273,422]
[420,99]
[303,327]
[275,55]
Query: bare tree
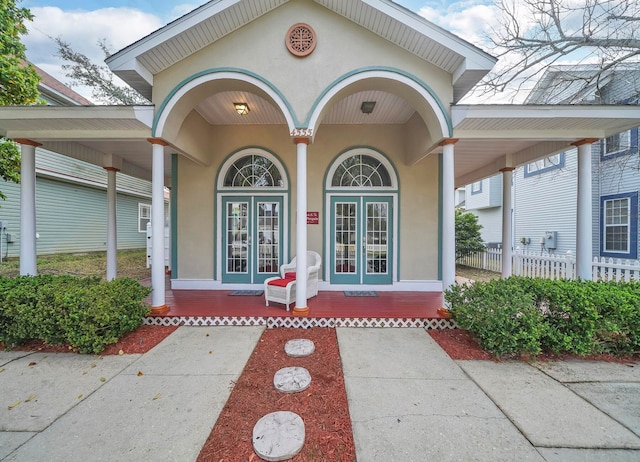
[82,71]
[536,34]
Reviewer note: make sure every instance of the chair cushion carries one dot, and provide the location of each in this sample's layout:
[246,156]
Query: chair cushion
[280,282]
[289,275]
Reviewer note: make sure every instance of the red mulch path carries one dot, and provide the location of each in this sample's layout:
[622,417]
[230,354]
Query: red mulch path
[459,344]
[323,406]
[140,340]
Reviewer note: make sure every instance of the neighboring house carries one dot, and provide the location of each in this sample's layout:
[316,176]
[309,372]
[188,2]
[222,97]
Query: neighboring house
[71,197]
[545,190]
[284,126]
[484,198]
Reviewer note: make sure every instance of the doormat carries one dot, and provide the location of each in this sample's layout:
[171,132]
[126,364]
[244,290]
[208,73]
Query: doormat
[254,293]
[360,293]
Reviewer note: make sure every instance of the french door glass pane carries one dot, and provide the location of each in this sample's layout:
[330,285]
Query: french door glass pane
[268,233]
[376,235]
[237,218]
[345,237]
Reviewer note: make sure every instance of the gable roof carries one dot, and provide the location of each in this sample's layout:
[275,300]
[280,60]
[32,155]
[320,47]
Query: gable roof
[583,84]
[55,90]
[140,61]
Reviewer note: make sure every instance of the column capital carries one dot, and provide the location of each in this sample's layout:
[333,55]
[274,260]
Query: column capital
[27,142]
[448,141]
[306,141]
[507,169]
[584,141]
[111,169]
[159,141]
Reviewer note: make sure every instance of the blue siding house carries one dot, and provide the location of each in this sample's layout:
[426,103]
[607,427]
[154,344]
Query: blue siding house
[71,201]
[545,191]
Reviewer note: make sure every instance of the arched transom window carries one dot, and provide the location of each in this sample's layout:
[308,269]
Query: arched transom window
[253,171]
[362,170]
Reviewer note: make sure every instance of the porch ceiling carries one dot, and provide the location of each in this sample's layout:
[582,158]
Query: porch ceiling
[490,137]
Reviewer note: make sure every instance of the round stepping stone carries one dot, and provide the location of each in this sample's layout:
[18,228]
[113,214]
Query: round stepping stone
[278,436]
[299,347]
[292,379]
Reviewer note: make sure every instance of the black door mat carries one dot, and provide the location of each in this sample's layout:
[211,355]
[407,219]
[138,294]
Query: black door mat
[250,293]
[360,293]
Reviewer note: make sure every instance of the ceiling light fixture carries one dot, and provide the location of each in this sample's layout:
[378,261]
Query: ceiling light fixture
[367,107]
[241,108]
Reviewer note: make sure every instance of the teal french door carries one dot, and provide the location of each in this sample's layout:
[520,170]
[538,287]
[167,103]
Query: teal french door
[251,238]
[361,240]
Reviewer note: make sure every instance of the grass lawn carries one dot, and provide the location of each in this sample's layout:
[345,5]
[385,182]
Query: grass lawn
[131,264]
[476,274]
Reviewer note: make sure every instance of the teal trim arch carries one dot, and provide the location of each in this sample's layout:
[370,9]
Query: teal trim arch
[231,73]
[353,148]
[258,148]
[391,70]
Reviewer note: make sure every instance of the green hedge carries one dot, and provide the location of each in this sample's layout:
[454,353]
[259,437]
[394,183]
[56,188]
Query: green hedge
[86,313]
[520,315]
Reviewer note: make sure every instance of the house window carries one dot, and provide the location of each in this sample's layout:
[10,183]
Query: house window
[144,217]
[476,188]
[619,224]
[544,165]
[253,171]
[620,144]
[361,171]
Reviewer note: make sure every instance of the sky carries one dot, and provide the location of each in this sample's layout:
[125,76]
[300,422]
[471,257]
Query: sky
[82,23]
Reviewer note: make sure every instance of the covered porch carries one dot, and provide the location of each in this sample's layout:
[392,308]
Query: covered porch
[327,309]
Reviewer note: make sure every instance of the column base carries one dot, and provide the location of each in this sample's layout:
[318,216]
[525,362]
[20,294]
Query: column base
[301,311]
[444,312]
[158,310]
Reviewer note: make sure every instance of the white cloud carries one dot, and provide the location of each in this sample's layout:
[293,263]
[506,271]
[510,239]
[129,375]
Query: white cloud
[82,29]
[181,10]
[471,20]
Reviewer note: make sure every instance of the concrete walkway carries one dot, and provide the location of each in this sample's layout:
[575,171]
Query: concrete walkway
[408,402]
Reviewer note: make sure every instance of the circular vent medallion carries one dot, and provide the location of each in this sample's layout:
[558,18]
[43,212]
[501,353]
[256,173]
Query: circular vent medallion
[301,40]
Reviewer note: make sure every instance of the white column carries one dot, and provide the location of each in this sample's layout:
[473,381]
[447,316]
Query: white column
[301,227]
[507,222]
[583,221]
[112,232]
[28,207]
[448,216]
[158,305]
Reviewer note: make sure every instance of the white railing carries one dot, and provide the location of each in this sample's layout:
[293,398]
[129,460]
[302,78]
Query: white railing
[552,266]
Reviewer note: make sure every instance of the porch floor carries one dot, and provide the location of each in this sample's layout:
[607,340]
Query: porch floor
[327,309]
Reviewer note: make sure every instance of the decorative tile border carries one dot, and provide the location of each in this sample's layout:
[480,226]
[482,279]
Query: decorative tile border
[298,322]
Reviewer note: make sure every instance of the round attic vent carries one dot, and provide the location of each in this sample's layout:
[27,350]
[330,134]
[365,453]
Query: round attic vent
[301,40]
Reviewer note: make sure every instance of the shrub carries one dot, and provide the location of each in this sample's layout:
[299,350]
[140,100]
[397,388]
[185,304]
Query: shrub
[86,313]
[499,314]
[525,315]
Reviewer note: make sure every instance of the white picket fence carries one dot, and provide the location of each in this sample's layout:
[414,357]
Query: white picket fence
[551,266]
[490,260]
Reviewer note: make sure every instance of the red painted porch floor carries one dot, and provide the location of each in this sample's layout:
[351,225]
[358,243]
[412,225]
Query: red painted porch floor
[328,308]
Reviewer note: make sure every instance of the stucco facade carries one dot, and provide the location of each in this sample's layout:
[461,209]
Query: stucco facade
[255,59]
